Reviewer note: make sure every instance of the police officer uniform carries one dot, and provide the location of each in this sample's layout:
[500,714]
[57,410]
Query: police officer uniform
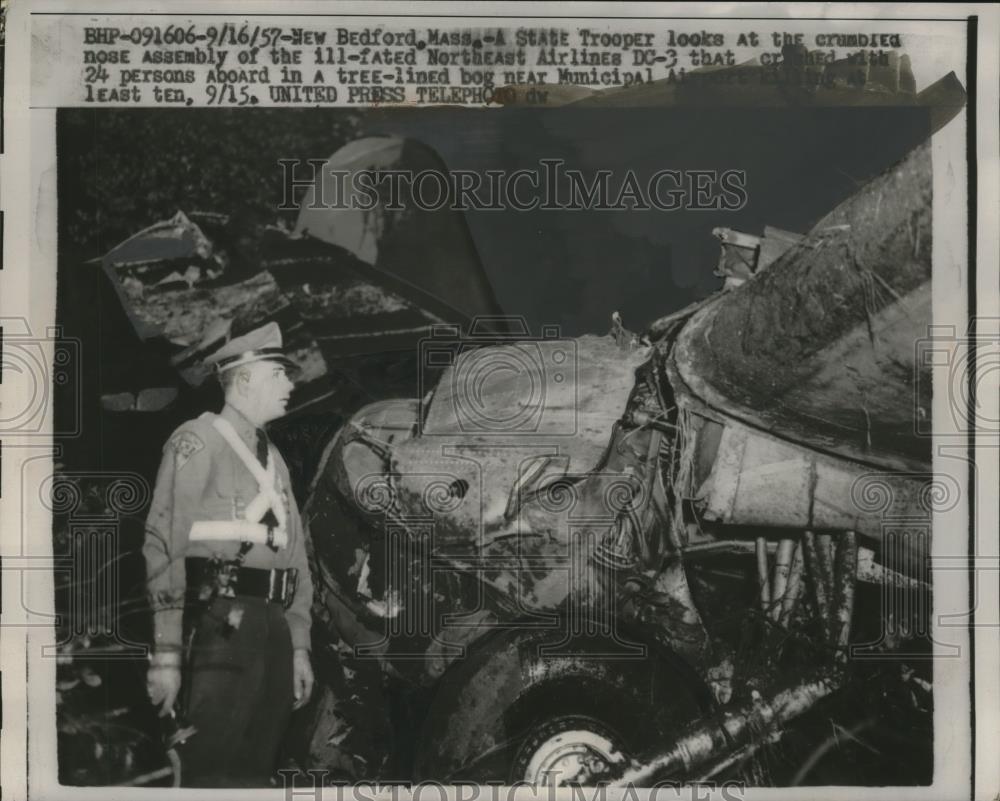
[229,583]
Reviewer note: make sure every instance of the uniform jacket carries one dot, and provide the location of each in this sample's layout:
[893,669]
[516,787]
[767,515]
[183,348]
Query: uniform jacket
[202,478]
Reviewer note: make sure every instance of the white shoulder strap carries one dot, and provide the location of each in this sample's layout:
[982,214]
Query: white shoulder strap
[224,427]
[268,498]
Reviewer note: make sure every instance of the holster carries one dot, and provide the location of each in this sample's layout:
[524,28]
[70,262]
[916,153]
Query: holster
[214,578]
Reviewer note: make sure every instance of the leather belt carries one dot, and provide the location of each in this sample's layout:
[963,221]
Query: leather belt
[228,580]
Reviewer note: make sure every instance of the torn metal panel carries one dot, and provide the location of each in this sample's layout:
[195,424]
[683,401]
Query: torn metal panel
[566,395]
[430,250]
[559,389]
[162,242]
[743,255]
[774,244]
[759,480]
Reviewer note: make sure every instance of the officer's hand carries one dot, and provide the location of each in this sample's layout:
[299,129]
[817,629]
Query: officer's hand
[302,677]
[163,682]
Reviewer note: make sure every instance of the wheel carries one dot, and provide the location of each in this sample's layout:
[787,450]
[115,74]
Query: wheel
[520,708]
[569,750]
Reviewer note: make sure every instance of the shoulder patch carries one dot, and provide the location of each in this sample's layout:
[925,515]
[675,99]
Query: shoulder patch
[185,444]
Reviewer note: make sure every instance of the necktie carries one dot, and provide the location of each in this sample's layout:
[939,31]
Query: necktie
[262,447]
[269,519]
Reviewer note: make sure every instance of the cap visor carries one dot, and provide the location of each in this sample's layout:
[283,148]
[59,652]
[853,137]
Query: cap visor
[258,357]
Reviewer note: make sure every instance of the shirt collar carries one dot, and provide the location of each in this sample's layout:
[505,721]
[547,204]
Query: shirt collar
[239,421]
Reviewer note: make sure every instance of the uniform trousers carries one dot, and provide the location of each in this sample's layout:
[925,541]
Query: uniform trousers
[239,694]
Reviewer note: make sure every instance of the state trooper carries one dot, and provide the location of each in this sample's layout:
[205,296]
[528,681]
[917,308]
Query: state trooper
[227,575]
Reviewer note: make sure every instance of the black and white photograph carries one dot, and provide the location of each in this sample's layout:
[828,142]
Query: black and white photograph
[418,398]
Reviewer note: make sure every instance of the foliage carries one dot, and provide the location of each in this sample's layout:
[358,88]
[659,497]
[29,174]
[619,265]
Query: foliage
[106,727]
[122,170]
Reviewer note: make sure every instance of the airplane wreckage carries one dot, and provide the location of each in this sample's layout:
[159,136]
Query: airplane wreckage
[633,557]
[587,527]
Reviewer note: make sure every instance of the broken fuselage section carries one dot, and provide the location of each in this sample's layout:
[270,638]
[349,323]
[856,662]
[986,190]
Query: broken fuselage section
[686,492]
